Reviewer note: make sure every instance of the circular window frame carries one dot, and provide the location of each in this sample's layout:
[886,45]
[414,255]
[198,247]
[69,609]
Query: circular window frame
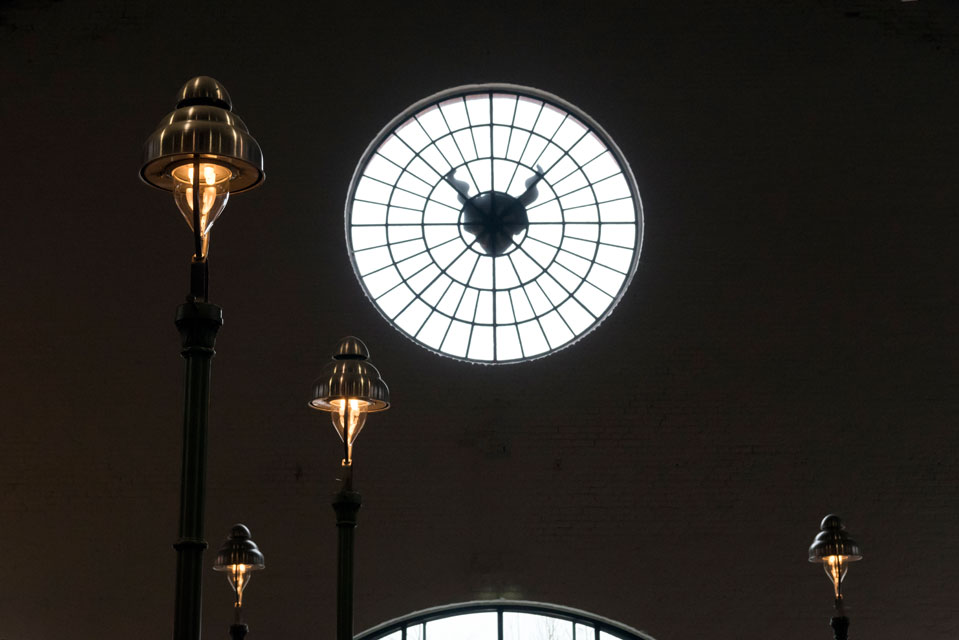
[637,222]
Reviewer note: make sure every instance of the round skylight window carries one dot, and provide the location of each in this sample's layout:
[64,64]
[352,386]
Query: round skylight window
[494,223]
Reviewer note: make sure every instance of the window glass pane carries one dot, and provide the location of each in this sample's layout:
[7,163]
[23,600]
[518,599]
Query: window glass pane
[569,133]
[614,187]
[395,150]
[500,143]
[549,120]
[479,108]
[382,169]
[507,343]
[382,281]
[546,208]
[504,106]
[415,632]
[534,342]
[368,237]
[531,626]
[472,626]
[457,337]
[432,122]
[527,110]
[436,161]
[368,213]
[454,111]
[373,191]
[395,301]
[412,134]
[411,320]
[602,167]
[556,330]
[481,348]
[484,309]
[517,143]
[407,201]
[587,149]
[583,632]
[433,333]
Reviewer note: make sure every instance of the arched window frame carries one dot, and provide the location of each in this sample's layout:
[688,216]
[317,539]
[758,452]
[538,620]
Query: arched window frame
[598,623]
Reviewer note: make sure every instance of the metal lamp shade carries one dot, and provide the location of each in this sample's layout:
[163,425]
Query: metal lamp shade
[833,540]
[203,128]
[350,375]
[238,549]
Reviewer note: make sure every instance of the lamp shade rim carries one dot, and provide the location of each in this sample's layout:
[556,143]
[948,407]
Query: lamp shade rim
[326,403]
[202,128]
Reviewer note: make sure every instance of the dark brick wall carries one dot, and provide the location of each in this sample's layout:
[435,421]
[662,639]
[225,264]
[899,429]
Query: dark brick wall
[786,349]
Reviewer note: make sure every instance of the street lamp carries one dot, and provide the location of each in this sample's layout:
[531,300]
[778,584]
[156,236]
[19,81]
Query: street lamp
[239,557]
[835,550]
[348,389]
[201,152]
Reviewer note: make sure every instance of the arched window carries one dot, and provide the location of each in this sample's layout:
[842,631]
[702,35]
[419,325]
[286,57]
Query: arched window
[502,620]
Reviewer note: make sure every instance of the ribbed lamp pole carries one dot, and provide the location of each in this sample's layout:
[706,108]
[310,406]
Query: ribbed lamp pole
[349,388]
[202,152]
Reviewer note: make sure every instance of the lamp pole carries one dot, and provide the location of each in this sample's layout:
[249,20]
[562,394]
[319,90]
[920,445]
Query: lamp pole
[201,152]
[198,323]
[833,547]
[238,558]
[349,388]
[346,504]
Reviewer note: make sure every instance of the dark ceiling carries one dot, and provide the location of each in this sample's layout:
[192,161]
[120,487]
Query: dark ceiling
[787,348]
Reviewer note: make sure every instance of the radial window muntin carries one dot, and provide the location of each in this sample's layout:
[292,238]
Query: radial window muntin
[494,244]
[502,620]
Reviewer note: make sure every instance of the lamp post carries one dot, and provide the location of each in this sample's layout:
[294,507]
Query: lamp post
[201,152]
[348,389]
[835,550]
[239,557]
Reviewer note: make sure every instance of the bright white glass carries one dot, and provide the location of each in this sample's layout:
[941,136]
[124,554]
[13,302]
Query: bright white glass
[531,626]
[558,278]
[472,626]
[516,625]
[584,632]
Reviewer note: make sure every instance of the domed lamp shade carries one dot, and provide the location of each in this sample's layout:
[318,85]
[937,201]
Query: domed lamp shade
[349,388]
[202,152]
[239,557]
[835,550]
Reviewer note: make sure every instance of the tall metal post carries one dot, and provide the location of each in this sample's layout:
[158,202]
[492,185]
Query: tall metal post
[198,323]
[840,627]
[238,631]
[346,503]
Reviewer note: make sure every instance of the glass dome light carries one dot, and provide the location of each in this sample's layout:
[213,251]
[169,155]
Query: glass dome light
[835,550]
[211,186]
[202,132]
[239,557]
[349,388]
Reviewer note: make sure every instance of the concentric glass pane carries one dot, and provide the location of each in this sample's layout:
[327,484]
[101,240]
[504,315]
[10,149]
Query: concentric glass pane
[494,224]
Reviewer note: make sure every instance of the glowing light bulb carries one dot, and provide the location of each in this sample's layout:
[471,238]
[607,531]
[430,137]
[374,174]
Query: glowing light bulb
[213,192]
[239,576]
[212,173]
[349,416]
[836,567]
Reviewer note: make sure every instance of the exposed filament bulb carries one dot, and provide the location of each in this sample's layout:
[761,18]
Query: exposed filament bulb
[349,416]
[836,567]
[213,196]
